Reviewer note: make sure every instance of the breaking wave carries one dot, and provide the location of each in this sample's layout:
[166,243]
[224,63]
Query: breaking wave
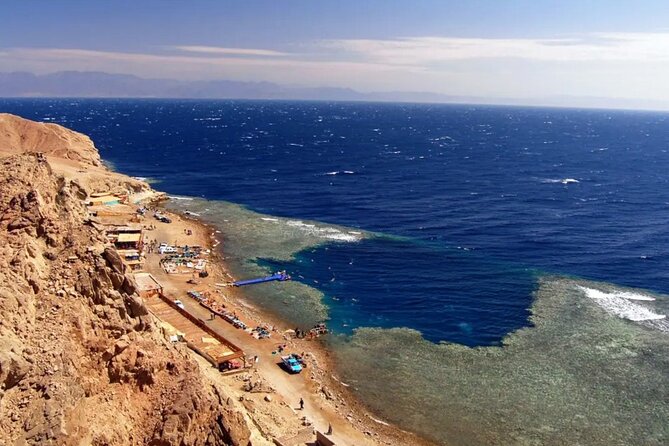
[619,304]
[560,180]
[340,172]
[325,232]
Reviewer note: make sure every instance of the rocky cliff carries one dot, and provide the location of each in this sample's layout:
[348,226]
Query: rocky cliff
[81,359]
[19,135]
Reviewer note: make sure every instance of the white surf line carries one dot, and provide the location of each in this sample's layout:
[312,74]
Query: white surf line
[618,304]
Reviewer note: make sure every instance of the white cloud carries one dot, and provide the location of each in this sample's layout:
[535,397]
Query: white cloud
[431,50]
[229,51]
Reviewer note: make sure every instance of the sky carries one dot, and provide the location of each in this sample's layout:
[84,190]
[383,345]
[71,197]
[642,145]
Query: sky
[521,49]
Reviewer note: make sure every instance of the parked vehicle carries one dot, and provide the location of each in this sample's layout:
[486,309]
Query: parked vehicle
[299,359]
[179,304]
[167,249]
[160,217]
[232,364]
[195,295]
[291,364]
[238,324]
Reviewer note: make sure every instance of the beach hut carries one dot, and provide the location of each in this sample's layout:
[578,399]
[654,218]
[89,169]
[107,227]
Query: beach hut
[129,240]
[147,285]
[132,258]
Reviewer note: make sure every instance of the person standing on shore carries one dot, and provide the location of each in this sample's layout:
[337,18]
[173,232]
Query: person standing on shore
[301,404]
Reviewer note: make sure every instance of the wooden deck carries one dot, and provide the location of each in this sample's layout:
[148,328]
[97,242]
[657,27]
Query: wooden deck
[199,337]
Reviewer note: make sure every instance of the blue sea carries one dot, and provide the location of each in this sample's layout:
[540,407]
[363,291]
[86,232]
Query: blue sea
[468,205]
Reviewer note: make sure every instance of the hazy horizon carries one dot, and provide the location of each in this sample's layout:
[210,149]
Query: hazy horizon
[604,54]
[101,85]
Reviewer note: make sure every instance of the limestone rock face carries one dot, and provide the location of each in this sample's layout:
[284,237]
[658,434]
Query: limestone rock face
[81,359]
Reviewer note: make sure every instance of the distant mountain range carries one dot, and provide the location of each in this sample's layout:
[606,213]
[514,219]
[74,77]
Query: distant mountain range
[95,84]
[98,84]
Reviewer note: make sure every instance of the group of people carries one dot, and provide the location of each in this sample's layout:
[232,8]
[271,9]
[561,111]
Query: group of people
[212,304]
[150,246]
[318,330]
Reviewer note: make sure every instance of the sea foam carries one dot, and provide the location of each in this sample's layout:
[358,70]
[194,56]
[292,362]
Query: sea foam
[325,232]
[339,172]
[619,304]
[560,180]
